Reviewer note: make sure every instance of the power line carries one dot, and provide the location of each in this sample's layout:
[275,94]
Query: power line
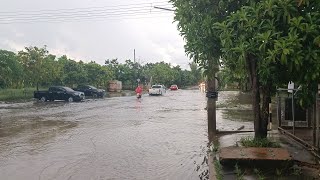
[101,18]
[115,7]
[163,8]
[61,13]
[125,16]
[93,14]
[149,9]
[88,13]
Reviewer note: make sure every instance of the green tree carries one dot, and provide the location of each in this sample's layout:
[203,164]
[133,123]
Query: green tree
[274,41]
[11,71]
[106,76]
[74,73]
[234,76]
[187,79]
[113,65]
[50,70]
[35,66]
[131,71]
[97,75]
[177,76]
[196,72]
[267,38]
[32,60]
[162,73]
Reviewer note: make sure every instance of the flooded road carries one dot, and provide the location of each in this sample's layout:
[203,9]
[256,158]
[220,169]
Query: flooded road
[159,137]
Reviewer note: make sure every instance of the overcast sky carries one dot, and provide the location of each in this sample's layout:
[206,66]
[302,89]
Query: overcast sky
[94,29]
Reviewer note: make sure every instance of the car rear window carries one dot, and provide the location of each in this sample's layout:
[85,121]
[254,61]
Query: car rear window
[67,89]
[156,86]
[92,87]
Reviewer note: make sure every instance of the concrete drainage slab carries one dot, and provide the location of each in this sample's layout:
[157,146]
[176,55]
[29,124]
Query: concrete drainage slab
[255,156]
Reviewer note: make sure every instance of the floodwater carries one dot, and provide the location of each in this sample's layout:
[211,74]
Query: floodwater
[159,137]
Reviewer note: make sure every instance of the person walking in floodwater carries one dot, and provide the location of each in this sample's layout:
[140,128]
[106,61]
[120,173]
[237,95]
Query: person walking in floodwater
[139,91]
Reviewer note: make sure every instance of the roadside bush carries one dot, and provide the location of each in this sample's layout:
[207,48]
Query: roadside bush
[258,142]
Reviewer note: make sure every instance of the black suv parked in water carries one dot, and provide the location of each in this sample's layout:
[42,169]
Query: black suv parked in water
[59,93]
[91,91]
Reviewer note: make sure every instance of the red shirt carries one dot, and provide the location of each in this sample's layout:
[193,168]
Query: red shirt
[139,90]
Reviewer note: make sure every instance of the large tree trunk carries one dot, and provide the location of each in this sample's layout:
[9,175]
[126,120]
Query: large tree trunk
[266,94]
[254,79]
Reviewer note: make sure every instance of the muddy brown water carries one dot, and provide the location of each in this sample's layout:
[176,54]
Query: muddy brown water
[159,137]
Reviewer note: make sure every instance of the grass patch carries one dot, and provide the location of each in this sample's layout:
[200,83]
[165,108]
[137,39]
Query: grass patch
[278,172]
[258,142]
[296,170]
[218,168]
[259,174]
[214,147]
[239,173]
[17,94]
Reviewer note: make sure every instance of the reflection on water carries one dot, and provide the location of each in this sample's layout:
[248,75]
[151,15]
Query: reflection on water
[234,99]
[238,115]
[234,111]
[36,125]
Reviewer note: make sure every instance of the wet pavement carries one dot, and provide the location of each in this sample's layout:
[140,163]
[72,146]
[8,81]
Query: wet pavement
[159,137]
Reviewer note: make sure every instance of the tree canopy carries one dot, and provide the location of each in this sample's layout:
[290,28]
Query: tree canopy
[272,41]
[35,66]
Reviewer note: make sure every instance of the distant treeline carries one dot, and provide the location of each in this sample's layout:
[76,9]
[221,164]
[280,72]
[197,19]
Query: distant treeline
[34,67]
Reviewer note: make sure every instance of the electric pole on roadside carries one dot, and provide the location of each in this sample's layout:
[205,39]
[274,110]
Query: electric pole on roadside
[134,55]
[212,97]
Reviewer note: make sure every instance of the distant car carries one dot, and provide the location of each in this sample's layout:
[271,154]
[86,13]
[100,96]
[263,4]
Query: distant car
[91,91]
[59,93]
[157,90]
[173,87]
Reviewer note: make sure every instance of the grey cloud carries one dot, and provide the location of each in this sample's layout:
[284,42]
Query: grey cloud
[154,39]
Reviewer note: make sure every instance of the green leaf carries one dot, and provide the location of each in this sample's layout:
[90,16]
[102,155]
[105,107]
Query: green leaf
[317,41]
[286,51]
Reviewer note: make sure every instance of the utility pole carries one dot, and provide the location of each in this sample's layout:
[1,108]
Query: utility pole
[212,96]
[134,55]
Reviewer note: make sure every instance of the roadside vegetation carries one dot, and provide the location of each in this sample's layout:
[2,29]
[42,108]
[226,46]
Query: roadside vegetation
[242,172]
[16,94]
[33,67]
[258,142]
[218,169]
[259,44]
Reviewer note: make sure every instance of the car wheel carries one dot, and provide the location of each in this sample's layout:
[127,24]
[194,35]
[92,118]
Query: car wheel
[94,95]
[43,99]
[70,99]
